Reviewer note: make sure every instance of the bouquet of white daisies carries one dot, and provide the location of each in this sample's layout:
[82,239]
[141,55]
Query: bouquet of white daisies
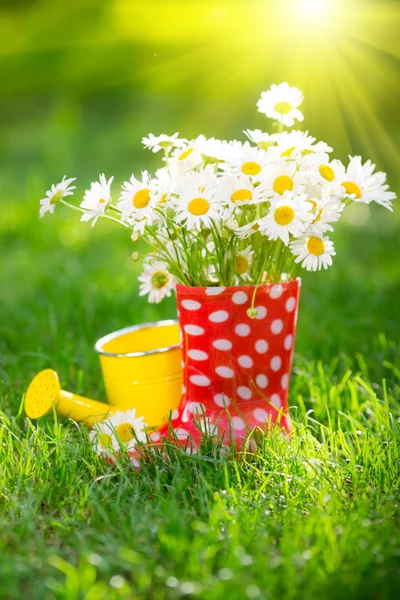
[229,212]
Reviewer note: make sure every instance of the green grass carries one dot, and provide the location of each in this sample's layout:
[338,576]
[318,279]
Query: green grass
[314,517]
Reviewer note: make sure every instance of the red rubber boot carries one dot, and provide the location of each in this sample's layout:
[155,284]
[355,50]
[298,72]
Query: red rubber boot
[236,369]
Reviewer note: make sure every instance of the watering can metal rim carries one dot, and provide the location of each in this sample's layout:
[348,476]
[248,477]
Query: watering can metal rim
[109,337]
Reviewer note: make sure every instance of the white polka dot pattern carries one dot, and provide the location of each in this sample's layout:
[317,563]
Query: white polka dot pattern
[191,304]
[242,329]
[182,434]
[260,415]
[276,363]
[221,400]
[288,343]
[261,312]
[200,380]
[222,344]
[245,361]
[226,372]
[290,304]
[193,330]
[244,392]
[262,381]
[261,346]
[219,316]
[197,355]
[275,401]
[285,381]
[276,326]
[196,408]
[214,291]
[276,291]
[239,298]
[237,423]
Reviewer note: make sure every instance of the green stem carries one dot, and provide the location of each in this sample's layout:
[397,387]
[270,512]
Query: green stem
[82,211]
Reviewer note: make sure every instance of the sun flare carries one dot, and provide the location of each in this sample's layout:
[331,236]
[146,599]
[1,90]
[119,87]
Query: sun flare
[313,7]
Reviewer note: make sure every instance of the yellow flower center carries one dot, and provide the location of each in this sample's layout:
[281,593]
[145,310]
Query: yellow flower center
[284,215]
[352,188]
[159,279]
[315,246]
[198,206]
[256,227]
[283,108]
[241,264]
[141,198]
[326,172]
[241,195]
[124,432]
[251,168]
[104,440]
[288,152]
[283,183]
[185,154]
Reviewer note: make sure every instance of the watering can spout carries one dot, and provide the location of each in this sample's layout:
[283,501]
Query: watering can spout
[44,392]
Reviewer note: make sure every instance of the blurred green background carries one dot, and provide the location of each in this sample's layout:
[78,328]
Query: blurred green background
[82,81]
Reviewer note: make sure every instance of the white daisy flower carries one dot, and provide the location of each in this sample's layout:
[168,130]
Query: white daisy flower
[280,177]
[261,139]
[321,170]
[243,260]
[137,201]
[320,147]
[233,148]
[361,184]
[125,429]
[56,193]
[102,439]
[164,186]
[197,208]
[97,199]
[197,203]
[245,231]
[156,281]
[203,180]
[280,102]
[293,144]
[185,158]
[246,161]
[158,142]
[314,252]
[286,216]
[212,150]
[325,211]
[234,191]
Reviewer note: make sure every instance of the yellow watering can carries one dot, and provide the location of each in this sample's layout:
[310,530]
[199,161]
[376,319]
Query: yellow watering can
[141,367]
[44,392]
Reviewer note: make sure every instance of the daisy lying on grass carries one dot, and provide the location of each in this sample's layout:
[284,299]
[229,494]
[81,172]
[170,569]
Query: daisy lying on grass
[118,431]
[228,212]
